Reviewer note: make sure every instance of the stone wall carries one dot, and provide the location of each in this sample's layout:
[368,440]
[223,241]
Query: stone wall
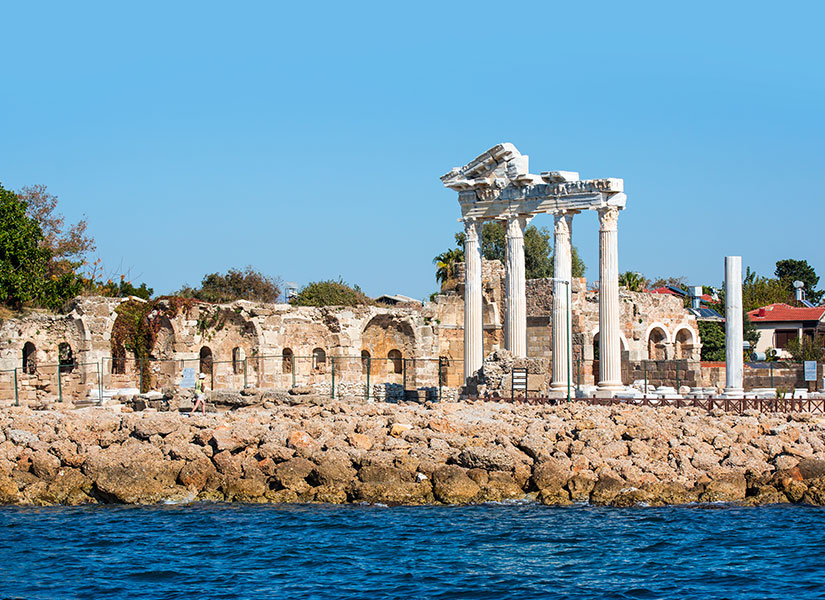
[236,344]
[278,346]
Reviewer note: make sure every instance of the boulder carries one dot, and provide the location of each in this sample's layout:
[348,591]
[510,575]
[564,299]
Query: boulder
[135,473]
[292,474]
[488,458]
[726,487]
[606,489]
[451,485]
[811,468]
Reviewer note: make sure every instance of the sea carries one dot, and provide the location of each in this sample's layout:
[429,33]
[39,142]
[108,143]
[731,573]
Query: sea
[495,551]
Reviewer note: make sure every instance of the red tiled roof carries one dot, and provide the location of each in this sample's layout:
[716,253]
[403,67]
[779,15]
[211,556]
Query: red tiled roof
[662,290]
[785,312]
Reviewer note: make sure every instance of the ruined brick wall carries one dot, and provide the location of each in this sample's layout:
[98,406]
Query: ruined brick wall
[236,344]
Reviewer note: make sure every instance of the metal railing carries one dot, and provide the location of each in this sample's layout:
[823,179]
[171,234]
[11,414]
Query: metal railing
[369,377]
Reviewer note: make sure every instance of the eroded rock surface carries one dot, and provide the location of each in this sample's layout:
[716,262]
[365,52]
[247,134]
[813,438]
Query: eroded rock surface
[412,454]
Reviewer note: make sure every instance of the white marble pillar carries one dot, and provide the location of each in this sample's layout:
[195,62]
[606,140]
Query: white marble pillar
[562,271]
[515,321]
[473,337]
[734,359]
[610,358]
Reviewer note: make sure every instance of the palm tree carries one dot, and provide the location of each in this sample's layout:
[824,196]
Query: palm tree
[633,281]
[445,264]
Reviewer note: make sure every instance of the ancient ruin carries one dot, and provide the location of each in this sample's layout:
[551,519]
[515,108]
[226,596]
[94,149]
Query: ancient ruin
[464,343]
[498,185]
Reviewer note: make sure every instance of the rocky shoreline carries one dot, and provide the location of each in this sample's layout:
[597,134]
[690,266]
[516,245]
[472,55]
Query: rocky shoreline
[451,453]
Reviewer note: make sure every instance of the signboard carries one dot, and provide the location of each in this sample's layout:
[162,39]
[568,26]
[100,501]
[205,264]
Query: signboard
[519,380]
[188,379]
[810,370]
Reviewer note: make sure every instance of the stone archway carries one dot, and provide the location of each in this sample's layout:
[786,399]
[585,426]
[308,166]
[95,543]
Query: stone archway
[29,358]
[684,343]
[657,344]
[206,362]
[389,340]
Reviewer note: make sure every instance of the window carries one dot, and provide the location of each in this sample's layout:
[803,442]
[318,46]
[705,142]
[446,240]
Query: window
[238,359]
[65,358]
[781,337]
[365,362]
[119,361]
[29,358]
[396,360]
[286,361]
[319,360]
[206,360]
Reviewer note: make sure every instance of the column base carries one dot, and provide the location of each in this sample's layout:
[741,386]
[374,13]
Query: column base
[608,389]
[733,393]
[559,393]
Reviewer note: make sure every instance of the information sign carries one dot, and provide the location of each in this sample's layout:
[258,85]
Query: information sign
[188,379]
[810,370]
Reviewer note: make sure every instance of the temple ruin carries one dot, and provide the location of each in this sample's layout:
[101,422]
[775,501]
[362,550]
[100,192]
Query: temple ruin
[497,185]
[597,341]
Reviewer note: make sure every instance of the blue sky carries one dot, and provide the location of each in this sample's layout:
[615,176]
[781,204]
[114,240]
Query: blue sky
[307,139]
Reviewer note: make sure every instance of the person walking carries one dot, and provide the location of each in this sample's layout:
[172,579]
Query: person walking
[200,396]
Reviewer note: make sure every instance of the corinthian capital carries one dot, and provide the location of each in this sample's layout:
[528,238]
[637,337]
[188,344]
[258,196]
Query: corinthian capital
[516,225]
[471,227]
[563,224]
[608,218]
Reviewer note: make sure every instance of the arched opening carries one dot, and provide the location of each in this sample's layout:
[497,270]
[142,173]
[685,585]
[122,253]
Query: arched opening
[656,344]
[396,360]
[596,346]
[683,344]
[238,359]
[365,362]
[65,358]
[286,361]
[206,360]
[29,359]
[119,361]
[319,360]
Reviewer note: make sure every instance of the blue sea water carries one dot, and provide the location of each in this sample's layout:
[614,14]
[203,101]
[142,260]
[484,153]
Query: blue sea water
[488,551]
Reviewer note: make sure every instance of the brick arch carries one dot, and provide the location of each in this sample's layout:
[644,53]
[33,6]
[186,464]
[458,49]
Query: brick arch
[386,334]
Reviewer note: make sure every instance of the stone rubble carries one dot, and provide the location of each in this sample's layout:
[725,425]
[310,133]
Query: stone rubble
[308,449]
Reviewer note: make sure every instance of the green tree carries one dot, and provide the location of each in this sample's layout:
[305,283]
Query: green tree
[712,334]
[790,270]
[633,281]
[758,291]
[23,259]
[235,284]
[808,348]
[538,256]
[68,246]
[330,293]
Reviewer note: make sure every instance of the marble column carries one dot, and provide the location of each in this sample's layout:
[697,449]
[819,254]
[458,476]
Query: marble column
[515,321]
[473,337]
[562,271]
[610,358]
[734,359]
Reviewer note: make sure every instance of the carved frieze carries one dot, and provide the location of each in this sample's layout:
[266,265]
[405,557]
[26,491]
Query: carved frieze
[498,184]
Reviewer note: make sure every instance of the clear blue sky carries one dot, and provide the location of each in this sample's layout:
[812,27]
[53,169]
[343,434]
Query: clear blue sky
[307,139]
